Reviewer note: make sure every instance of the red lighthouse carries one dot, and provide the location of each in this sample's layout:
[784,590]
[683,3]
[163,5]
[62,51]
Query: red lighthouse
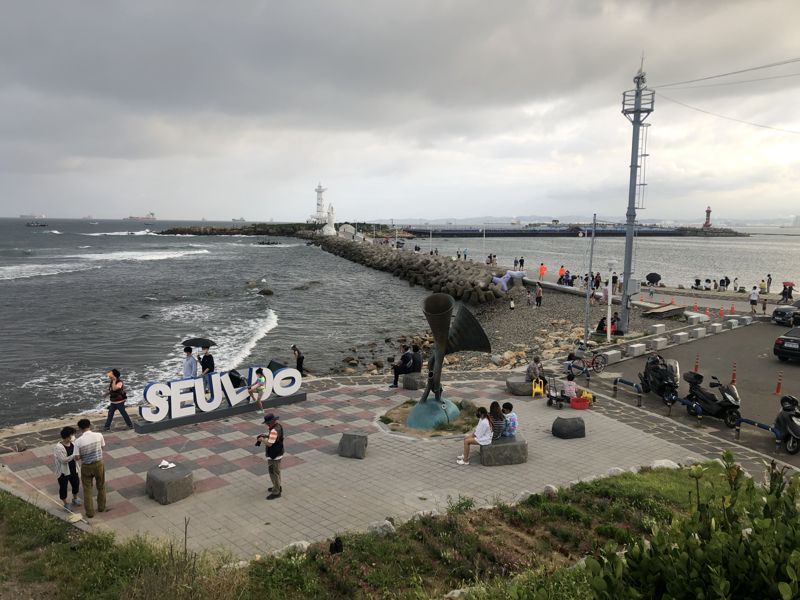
[707,224]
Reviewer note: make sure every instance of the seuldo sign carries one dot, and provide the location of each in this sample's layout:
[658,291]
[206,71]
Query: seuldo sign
[186,397]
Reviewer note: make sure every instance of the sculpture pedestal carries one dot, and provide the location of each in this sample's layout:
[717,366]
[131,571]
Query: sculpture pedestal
[429,414]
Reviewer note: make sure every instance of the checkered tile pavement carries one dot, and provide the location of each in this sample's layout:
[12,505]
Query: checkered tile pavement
[218,451]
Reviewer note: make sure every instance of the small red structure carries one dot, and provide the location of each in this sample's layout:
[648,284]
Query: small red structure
[707,224]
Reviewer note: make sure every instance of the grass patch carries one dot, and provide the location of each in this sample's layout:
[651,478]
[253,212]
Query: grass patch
[397,417]
[517,551]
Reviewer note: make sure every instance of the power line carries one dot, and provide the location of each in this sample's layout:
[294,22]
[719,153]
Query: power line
[708,85]
[713,114]
[767,66]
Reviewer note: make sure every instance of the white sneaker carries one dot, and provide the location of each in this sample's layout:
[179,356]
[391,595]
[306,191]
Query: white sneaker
[460,457]
[461,461]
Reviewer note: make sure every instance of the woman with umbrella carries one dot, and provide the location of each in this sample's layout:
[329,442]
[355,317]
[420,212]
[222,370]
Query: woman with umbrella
[206,359]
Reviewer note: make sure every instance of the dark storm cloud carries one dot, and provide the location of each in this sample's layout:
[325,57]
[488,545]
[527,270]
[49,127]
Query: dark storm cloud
[89,86]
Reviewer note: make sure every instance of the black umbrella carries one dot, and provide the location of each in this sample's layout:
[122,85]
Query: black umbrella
[199,343]
[653,278]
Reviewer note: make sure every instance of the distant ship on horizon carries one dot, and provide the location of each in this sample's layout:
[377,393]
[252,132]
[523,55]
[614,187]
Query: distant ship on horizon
[32,216]
[151,216]
[239,220]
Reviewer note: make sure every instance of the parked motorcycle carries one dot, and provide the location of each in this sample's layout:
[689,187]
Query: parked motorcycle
[725,406]
[788,424]
[661,377]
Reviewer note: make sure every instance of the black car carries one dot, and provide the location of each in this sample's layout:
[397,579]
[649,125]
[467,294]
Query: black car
[788,345]
[788,314]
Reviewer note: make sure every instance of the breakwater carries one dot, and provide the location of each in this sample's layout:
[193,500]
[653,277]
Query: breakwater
[467,281]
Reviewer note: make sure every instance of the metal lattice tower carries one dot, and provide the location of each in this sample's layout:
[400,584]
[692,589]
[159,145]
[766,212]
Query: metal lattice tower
[637,104]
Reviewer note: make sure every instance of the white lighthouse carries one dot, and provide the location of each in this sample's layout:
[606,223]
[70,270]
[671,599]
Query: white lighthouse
[321,216]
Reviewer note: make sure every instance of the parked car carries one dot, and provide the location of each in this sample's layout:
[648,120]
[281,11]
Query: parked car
[788,314]
[788,345]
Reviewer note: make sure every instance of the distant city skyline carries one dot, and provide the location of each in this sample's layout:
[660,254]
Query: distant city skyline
[407,111]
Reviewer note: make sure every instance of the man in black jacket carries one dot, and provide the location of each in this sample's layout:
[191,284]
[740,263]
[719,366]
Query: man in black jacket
[403,366]
[207,367]
[416,359]
[273,440]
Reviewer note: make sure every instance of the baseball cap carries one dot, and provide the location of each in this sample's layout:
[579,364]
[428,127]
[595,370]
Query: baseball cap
[270,418]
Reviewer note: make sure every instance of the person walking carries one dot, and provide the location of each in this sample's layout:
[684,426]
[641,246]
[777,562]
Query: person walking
[753,300]
[516,263]
[521,263]
[89,447]
[189,364]
[273,440]
[116,396]
[299,359]
[65,469]
[538,295]
[458,254]
[769,282]
[465,254]
[542,271]
[561,272]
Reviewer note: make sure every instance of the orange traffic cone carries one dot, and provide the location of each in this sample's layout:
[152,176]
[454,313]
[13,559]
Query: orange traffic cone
[673,300]
[695,307]
[721,312]
[733,377]
[733,308]
[641,298]
[708,313]
[697,362]
[780,381]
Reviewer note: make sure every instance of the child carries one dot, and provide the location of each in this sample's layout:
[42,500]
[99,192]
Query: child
[530,297]
[764,306]
[258,387]
[65,469]
[511,420]
[570,387]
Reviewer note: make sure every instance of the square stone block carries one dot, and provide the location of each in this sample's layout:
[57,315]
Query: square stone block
[698,332]
[413,381]
[353,444]
[694,319]
[745,319]
[681,337]
[505,451]
[656,329]
[636,349]
[166,486]
[731,323]
[612,356]
[658,343]
[715,328]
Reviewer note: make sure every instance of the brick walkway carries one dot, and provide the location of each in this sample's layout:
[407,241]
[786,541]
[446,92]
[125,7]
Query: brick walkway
[325,494]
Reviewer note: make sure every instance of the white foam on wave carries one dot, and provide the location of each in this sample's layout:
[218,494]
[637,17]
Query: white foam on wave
[187,313]
[53,231]
[257,329]
[107,233]
[276,245]
[11,272]
[84,247]
[138,256]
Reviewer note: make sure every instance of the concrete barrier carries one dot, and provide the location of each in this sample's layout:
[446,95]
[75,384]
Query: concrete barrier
[694,319]
[353,444]
[731,323]
[698,332]
[745,320]
[166,486]
[612,356]
[715,328]
[681,337]
[656,329]
[636,349]
[658,343]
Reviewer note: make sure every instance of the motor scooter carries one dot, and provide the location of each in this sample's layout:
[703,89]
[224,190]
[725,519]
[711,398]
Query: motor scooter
[787,424]
[725,407]
[661,377]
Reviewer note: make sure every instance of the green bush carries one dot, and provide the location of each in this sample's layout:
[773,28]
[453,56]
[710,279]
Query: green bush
[743,543]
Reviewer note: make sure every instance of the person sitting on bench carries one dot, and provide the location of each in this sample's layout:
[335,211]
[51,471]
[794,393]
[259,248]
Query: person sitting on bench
[511,420]
[403,366]
[482,435]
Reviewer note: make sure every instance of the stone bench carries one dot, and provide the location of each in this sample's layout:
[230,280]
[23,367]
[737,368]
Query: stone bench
[353,444]
[413,381]
[166,486]
[505,451]
[517,386]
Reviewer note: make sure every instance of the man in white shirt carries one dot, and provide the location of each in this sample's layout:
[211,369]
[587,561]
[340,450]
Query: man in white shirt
[189,364]
[753,299]
[89,447]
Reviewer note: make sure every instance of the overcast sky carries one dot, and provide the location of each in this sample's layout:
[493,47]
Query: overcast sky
[404,109]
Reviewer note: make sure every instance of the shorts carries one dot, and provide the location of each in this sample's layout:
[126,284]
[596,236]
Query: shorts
[753,302]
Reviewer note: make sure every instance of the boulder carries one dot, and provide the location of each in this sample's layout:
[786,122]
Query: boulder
[569,428]
[413,381]
[381,528]
[505,451]
[517,386]
[353,444]
[265,292]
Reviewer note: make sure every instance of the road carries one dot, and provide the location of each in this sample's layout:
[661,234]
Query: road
[757,372]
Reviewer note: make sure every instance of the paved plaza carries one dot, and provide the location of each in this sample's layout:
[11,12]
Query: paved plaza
[325,494]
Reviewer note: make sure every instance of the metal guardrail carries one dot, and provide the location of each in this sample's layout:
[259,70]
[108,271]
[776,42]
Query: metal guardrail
[778,435]
[637,388]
